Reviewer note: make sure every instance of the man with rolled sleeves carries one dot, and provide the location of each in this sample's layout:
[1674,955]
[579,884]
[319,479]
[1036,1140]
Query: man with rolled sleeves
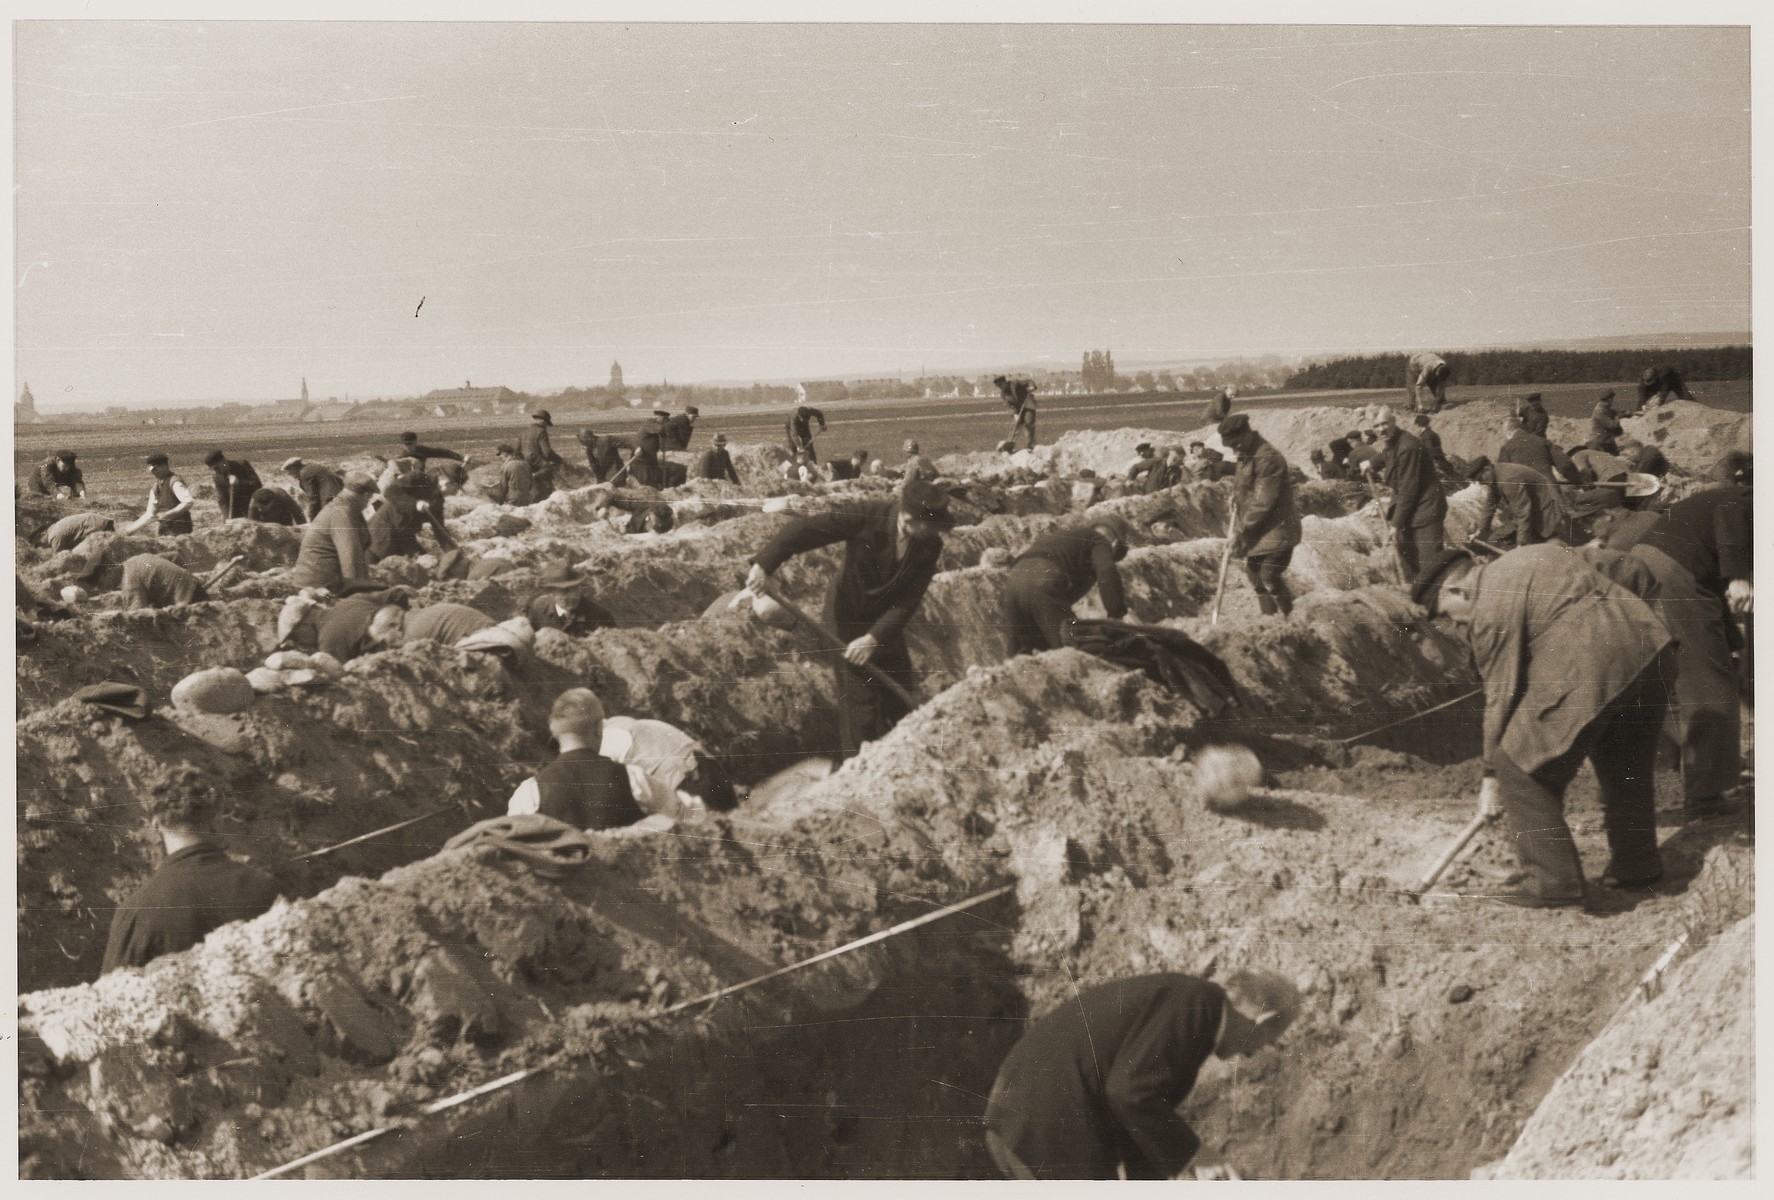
[169,501]
[196,890]
[1092,1088]
[1268,523]
[1576,666]
[891,549]
[1055,573]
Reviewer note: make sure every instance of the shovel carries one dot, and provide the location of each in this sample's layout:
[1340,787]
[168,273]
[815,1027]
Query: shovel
[220,573]
[1219,590]
[766,604]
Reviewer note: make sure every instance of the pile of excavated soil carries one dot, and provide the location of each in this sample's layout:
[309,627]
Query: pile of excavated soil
[1668,1089]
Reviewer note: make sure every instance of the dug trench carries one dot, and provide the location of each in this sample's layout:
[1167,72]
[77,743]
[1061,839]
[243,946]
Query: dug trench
[388,989]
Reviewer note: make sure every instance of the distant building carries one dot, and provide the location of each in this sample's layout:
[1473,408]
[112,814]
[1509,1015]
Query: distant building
[25,411]
[616,388]
[336,411]
[821,391]
[470,399]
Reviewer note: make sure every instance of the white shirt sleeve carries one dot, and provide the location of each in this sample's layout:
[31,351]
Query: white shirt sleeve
[527,799]
[180,490]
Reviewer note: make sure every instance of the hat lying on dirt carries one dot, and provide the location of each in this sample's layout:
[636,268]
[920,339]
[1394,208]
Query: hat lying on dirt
[512,640]
[545,845]
[126,700]
[558,574]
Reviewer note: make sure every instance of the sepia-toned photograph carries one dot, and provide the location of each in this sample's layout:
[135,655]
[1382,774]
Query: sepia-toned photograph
[780,600]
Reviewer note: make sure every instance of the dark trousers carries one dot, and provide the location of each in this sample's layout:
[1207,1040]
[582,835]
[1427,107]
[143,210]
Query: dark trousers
[172,526]
[1419,546]
[866,710]
[1265,574]
[1024,420]
[1703,707]
[1035,609]
[1621,744]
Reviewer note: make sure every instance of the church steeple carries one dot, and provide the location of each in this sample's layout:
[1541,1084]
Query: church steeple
[26,409]
[304,389]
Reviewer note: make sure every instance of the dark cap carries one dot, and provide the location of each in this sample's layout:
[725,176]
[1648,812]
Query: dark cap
[1606,396]
[926,502]
[504,448]
[1236,425]
[720,439]
[541,415]
[67,454]
[1428,584]
[214,458]
[1737,467]
[693,411]
[409,436]
[156,460]
[1534,398]
[1142,447]
[662,412]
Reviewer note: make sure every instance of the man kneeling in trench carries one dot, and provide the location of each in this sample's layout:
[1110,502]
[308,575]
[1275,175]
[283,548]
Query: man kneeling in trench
[1055,573]
[1094,1085]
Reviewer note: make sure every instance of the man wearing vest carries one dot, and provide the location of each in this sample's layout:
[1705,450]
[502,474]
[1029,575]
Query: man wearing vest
[169,501]
[581,787]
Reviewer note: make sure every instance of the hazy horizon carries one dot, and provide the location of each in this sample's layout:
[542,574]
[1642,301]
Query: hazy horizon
[207,210]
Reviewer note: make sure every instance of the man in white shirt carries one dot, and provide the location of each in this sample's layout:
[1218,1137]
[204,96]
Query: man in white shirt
[169,501]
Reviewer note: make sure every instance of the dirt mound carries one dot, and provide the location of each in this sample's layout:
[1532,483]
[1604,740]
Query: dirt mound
[1692,436]
[1668,1089]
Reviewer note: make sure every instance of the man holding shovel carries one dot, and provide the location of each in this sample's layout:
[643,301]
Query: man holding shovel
[1268,523]
[891,549]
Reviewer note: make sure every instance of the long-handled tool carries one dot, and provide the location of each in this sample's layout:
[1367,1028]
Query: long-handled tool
[831,642]
[1219,590]
[1452,852]
[221,572]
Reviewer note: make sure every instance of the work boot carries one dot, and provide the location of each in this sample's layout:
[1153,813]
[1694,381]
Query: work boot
[1266,604]
[1710,807]
[1524,891]
[1648,883]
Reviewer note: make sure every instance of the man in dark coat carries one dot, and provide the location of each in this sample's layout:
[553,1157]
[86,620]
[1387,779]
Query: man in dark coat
[361,623]
[150,581]
[1659,384]
[517,483]
[58,471]
[643,468]
[274,506]
[236,481]
[1530,413]
[535,449]
[676,432]
[1530,500]
[850,468]
[1701,552]
[581,787]
[1268,523]
[800,430]
[412,502]
[564,602]
[1019,397]
[71,530]
[410,447]
[318,484]
[1432,442]
[717,463]
[196,890]
[1093,1086]
[1419,508]
[1533,450]
[891,549]
[603,453]
[1055,573]
[1220,407]
[1576,666]
[1605,429]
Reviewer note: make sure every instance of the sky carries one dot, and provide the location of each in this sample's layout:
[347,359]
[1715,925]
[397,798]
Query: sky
[212,211]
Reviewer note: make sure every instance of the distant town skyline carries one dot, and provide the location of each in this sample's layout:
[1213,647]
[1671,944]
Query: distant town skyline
[522,204]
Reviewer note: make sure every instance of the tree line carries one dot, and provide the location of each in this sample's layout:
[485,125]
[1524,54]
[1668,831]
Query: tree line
[1510,367]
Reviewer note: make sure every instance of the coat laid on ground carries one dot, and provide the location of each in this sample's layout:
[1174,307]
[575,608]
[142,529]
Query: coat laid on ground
[877,589]
[716,464]
[319,487]
[274,506]
[1052,575]
[581,788]
[1418,506]
[70,531]
[1096,1082]
[150,581]
[335,546]
[1575,665]
[196,890]
[236,481]
[1530,502]
[447,623]
[1166,656]
[1531,450]
[53,473]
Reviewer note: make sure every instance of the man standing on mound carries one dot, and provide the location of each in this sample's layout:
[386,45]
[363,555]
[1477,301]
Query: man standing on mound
[1576,667]
[1092,1088]
[891,549]
[1268,523]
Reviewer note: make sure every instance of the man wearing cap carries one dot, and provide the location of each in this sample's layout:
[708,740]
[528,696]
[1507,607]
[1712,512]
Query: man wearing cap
[800,430]
[318,484]
[676,432]
[410,447]
[1534,450]
[1530,412]
[274,506]
[916,465]
[564,603]
[1427,372]
[236,481]
[1145,459]
[1055,573]
[1575,664]
[580,787]
[59,471]
[1337,465]
[1019,397]
[1658,384]
[1432,443]
[533,445]
[1604,425]
[150,581]
[1092,1088]
[412,501]
[629,514]
[1419,509]
[603,453]
[169,501]
[196,890]
[1268,523]
[1531,503]
[1701,552]
[717,463]
[335,546]
[891,549]
[516,485]
[1363,457]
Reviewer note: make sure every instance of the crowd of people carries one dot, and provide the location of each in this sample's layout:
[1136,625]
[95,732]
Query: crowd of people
[1593,615]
